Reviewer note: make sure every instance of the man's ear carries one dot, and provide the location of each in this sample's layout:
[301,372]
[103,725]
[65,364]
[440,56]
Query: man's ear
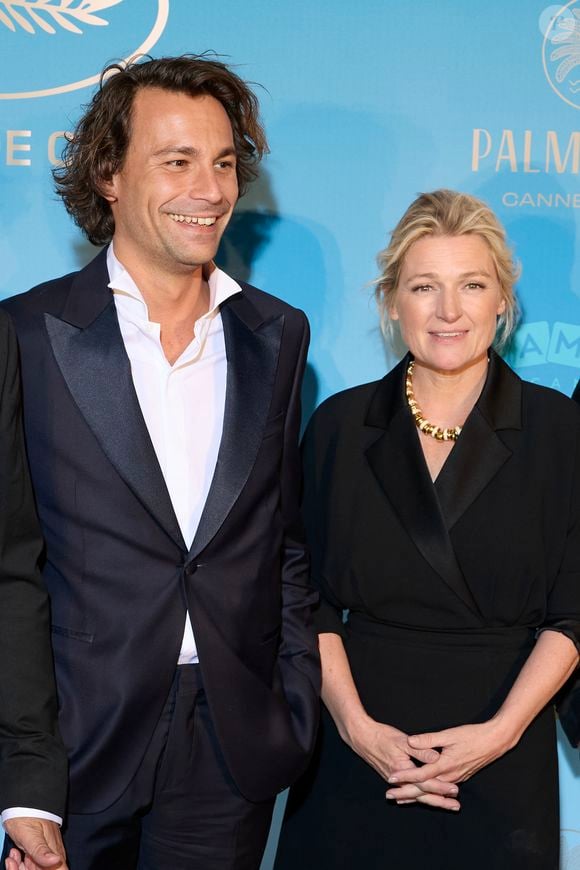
[108,189]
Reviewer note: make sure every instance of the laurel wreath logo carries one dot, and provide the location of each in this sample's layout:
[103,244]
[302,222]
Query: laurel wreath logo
[50,14]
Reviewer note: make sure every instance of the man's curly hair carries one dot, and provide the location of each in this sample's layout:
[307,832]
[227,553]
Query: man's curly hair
[95,151]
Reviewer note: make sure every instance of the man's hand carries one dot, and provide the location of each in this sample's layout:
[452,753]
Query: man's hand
[39,840]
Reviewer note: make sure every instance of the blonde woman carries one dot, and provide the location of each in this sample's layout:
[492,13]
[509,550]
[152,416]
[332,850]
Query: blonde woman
[443,511]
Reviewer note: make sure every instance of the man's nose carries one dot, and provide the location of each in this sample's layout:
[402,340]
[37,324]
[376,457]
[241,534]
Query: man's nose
[205,185]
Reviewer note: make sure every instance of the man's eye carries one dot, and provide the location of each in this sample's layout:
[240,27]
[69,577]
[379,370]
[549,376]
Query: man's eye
[421,288]
[178,162]
[224,164]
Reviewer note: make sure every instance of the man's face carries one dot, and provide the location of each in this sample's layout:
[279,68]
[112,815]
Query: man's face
[174,195]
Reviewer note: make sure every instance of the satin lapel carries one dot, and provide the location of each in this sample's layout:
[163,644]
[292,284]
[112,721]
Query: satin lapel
[398,464]
[95,366]
[474,461]
[252,350]
[480,453]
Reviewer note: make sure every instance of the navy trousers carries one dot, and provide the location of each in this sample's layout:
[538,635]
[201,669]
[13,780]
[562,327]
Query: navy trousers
[182,811]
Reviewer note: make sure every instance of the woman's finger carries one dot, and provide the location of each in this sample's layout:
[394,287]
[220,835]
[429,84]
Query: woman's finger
[432,800]
[425,756]
[443,803]
[429,740]
[431,786]
[420,774]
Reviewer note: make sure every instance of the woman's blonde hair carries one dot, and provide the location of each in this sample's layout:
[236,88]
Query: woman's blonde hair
[448,213]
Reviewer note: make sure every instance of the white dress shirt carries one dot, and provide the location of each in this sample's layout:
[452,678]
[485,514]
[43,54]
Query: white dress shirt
[183,406]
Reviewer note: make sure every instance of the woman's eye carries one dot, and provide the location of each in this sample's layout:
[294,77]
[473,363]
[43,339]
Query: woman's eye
[421,288]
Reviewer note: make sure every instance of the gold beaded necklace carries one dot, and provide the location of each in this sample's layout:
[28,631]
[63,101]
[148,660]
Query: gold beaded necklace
[451,434]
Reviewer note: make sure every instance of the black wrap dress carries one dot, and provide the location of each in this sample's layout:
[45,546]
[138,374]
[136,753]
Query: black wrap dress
[446,585]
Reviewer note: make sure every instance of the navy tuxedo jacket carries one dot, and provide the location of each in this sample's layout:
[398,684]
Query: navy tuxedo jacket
[119,575]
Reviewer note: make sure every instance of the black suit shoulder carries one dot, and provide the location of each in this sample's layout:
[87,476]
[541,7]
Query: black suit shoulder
[49,296]
[266,307]
[296,325]
[547,409]
[37,298]
[269,304]
[548,398]
[344,410]
[332,443]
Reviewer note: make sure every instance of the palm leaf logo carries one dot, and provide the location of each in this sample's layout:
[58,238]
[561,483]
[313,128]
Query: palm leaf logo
[568,40]
[48,15]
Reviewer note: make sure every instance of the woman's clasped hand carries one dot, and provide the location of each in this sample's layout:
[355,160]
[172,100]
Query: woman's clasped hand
[390,753]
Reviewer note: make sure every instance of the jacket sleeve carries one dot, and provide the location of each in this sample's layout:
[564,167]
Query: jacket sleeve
[298,658]
[33,767]
[319,471]
[563,611]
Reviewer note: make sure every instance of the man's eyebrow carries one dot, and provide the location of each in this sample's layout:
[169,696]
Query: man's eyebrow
[230,151]
[190,151]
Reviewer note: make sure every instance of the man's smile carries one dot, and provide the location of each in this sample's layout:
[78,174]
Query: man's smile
[192,219]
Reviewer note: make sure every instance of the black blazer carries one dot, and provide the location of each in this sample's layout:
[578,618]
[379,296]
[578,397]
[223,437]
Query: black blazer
[32,757]
[119,574]
[569,697]
[494,544]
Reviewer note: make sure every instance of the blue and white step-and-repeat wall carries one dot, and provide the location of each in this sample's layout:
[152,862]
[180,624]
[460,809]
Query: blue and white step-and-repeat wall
[365,104]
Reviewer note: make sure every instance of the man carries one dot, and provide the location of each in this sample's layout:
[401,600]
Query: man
[32,758]
[162,414]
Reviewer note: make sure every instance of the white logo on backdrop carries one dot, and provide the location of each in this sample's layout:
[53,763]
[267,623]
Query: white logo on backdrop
[75,16]
[561,50]
[49,16]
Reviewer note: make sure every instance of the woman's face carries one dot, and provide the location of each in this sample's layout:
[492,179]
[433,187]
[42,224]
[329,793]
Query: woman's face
[448,300]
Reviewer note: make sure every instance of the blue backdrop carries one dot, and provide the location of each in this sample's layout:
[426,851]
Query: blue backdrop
[365,105]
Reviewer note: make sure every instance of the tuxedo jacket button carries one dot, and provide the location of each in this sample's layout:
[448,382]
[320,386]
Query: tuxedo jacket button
[190,569]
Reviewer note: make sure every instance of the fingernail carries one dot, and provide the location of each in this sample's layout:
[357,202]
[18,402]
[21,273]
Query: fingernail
[453,790]
[393,779]
[389,795]
[455,809]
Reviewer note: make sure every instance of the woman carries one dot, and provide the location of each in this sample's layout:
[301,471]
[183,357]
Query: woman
[443,511]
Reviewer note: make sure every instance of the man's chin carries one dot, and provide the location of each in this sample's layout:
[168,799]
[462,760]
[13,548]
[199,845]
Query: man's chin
[184,264]
[191,258]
